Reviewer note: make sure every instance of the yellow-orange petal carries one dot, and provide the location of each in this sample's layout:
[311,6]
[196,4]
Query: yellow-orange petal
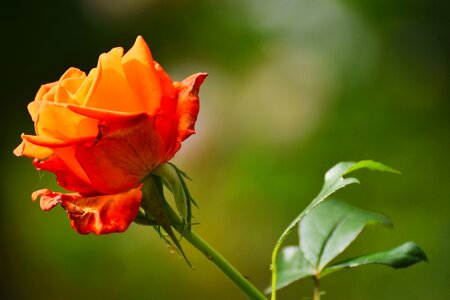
[103,114]
[53,143]
[33,109]
[68,85]
[99,214]
[111,89]
[87,87]
[188,104]
[57,121]
[141,75]
[30,150]
[46,91]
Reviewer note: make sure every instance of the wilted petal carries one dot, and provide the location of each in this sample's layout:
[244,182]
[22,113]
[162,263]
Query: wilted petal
[48,198]
[103,214]
[100,214]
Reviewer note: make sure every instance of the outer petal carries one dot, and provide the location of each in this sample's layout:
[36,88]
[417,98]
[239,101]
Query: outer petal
[170,94]
[188,104]
[125,152]
[65,150]
[66,177]
[46,91]
[100,214]
[30,150]
[167,125]
[141,75]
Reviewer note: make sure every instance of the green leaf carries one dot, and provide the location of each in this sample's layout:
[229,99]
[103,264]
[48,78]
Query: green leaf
[371,165]
[323,234]
[334,181]
[402,256]
[292,266]
[330,228]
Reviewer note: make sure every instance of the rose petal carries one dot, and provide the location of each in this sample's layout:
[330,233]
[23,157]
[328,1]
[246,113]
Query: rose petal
[46,91]
[57,121]
[67,177]
[87,87]
[68,85]
[167,125]
[103,214]
[126,151]
[48,198]
[188,104]
[33,109]
[141,75]
[99,214]
[111,88]
[170,94]
[30,150]
[103,114]
[33,146]
[51,142]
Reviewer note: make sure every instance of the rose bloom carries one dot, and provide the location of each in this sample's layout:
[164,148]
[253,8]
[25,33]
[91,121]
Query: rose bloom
[101,134]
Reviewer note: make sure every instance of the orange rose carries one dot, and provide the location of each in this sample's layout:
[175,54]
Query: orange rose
[101,134]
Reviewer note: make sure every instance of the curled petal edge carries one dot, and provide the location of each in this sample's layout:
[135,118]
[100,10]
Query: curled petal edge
[99,214]
[104,114]
[188,104]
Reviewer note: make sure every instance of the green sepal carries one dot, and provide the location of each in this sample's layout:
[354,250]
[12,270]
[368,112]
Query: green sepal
[154,204]
[173,179]
[143,219]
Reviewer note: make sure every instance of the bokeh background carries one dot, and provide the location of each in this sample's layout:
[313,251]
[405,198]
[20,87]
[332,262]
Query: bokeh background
[295,86]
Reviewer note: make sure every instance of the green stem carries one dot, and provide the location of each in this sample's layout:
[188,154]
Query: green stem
[215,257]
[316,288]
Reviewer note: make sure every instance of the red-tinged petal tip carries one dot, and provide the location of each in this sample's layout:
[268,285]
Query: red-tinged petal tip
[188,104]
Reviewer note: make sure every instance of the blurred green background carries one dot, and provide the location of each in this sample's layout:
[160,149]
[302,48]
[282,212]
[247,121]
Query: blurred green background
[294,87]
